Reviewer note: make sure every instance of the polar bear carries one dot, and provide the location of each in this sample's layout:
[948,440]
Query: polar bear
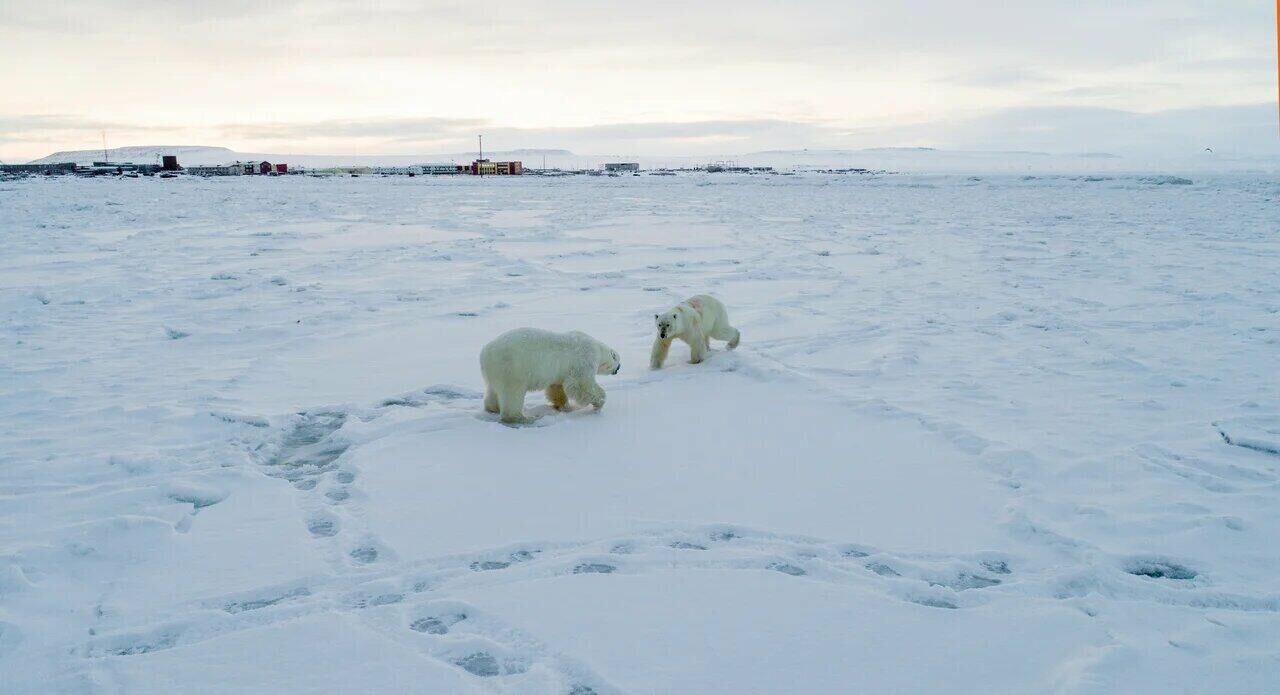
[565,365]
[696,321]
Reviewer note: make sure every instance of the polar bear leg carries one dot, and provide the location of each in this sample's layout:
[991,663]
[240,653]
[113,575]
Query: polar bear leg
[585,391]
[727,332]
[557,397]
[697,347]
[659,354]
[490,399]
[511,404]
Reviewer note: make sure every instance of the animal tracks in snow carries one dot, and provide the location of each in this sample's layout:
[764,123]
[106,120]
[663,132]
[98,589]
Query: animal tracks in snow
[416,603]
[310,450]
[422,588]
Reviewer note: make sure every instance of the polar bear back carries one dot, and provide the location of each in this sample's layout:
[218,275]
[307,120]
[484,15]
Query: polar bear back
[711,311]
[537,359]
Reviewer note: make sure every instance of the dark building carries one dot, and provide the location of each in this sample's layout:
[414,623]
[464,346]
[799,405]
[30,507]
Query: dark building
[46,169]
[123,167]
[170,163]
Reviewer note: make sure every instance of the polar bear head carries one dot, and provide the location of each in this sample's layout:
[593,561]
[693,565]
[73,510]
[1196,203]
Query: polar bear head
[608,361]
[606,358]
[673,323]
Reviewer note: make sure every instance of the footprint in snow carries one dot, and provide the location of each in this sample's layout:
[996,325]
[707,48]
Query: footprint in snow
[255,604]
[139,643]
[517,556]
[997,566]
[787,568]
[883,570]
[308,449]
[1159,569]
[364,554]
[437,624]
[934,602]
[432,394]
[964,581]
[198,497]
[479,664]
[338,495]
[685,545]
[594,568]
[322,527]
[375,600]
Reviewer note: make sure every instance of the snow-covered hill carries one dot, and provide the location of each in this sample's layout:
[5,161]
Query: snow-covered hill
[145,154]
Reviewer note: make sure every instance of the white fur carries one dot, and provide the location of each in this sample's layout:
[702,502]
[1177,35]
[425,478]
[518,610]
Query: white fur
[565,365]
[696,321]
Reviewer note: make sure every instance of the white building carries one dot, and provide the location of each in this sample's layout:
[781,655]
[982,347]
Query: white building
[419,169]
[335,171]
[252,167]
[438,168]
[216,170]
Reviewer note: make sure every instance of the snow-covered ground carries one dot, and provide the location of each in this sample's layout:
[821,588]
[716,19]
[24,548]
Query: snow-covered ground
[1000,434]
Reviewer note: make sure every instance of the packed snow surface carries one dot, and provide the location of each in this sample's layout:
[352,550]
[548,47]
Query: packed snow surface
[1006,434]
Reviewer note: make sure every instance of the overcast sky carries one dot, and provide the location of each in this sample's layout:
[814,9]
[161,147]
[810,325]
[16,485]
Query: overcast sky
[638,77]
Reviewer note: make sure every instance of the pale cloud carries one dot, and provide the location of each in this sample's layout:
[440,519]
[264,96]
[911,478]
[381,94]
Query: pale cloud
[396,129]
[331,74]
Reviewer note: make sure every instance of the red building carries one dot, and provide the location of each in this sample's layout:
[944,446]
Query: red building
[282,168]
[483,167]
[264,168]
